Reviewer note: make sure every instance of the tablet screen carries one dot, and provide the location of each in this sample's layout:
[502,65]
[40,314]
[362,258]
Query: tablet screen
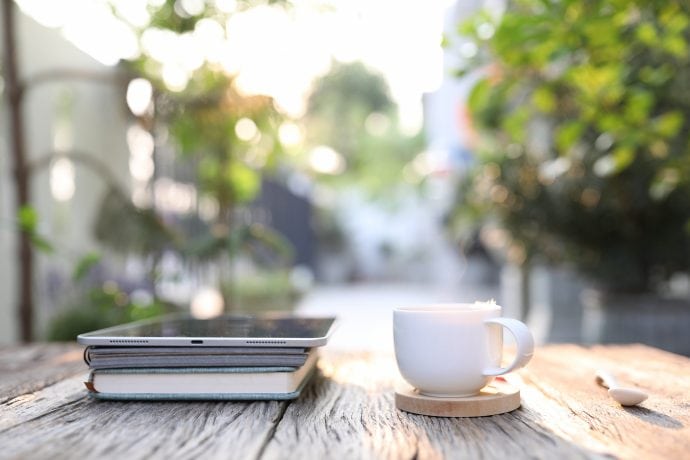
[226,327]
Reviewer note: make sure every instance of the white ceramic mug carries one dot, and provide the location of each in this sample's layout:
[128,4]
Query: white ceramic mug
[454,350]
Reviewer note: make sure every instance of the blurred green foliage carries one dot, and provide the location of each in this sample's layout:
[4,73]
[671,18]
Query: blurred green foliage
[262,291]
[100,307]
[127,229]
[224,141]
[200,123]
[584,108]
[203,122]
[92,306]
[350,109]
[27,218]
[202,119]
[341,102]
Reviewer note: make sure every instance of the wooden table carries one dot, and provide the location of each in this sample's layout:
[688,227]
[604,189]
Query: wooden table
[348,412]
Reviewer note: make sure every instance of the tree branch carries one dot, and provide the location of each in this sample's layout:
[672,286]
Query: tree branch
[22,198]
[92,162]
[53,75]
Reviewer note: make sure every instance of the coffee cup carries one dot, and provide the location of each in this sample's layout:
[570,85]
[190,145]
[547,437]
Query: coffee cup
[455,350]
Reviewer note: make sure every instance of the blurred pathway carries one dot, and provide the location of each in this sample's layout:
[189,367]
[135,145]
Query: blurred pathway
[364,311]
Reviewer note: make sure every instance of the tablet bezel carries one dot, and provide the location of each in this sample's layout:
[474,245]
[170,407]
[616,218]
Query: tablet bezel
[111,337]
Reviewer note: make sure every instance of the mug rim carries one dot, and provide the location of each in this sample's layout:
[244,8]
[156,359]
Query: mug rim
[449,307]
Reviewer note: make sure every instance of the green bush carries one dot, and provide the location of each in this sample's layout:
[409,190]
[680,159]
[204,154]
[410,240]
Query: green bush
[584,107]
[100,308]
[262,291]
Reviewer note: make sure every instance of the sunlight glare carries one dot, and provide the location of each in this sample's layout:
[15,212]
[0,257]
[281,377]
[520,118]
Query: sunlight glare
[411,117]
[48,13]
[325,160]
[486,30]
[175,77]
[139,94]
[141,146]
[383,28]
[207,303]
[226,6]
[210,38]
[246,129]
[140,195]
[290,134]
[174,197]
[141,168]
[188,51]
[302,43]
[136,13]
[103,36]
[62,179]
[139,141]
[159,44]
[280,68]
[192,7]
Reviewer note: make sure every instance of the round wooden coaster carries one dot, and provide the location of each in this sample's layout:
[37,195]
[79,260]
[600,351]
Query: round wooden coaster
[496,398]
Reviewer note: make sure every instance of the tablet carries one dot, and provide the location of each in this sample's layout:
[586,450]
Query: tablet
[228,330]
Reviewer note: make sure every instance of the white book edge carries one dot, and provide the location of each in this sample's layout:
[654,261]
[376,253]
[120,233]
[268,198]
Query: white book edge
[203,383]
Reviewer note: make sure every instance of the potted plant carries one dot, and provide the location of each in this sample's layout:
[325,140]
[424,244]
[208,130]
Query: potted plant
[585,111]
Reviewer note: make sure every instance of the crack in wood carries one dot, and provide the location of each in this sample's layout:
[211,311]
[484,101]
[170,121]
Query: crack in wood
[272,431]
[539,432]
[45,414]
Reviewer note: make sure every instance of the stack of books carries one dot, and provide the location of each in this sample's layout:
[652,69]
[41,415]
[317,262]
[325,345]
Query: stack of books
[198,373]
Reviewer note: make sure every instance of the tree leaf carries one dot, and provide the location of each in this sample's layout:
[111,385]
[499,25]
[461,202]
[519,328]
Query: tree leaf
[41,244]
[84,265]
[638,106]
[624,156]
[28,219]
[676,45]
[544,99]
[614,162]
[647,34]
[244,181]
[669,124]
[568,134]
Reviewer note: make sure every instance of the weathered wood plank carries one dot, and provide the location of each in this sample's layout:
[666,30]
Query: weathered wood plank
[33,405]
[18,358]
[559,391]
[88,428]
[45,413]
[27,369]
[349,412]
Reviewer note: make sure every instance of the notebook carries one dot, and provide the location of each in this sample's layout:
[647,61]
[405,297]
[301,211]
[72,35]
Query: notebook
[227,383]
[147,357]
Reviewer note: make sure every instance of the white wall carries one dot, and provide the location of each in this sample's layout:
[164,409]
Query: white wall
[98,118]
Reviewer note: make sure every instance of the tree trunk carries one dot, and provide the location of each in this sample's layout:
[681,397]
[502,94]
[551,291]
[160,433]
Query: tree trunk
[20,171]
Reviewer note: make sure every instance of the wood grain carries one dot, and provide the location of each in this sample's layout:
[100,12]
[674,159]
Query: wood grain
[497,398]
[559,385]
[29,368]
[46,413]
[349,412]
[88,428]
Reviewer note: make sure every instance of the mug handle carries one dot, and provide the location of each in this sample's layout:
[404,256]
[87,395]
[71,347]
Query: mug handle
[523,339]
